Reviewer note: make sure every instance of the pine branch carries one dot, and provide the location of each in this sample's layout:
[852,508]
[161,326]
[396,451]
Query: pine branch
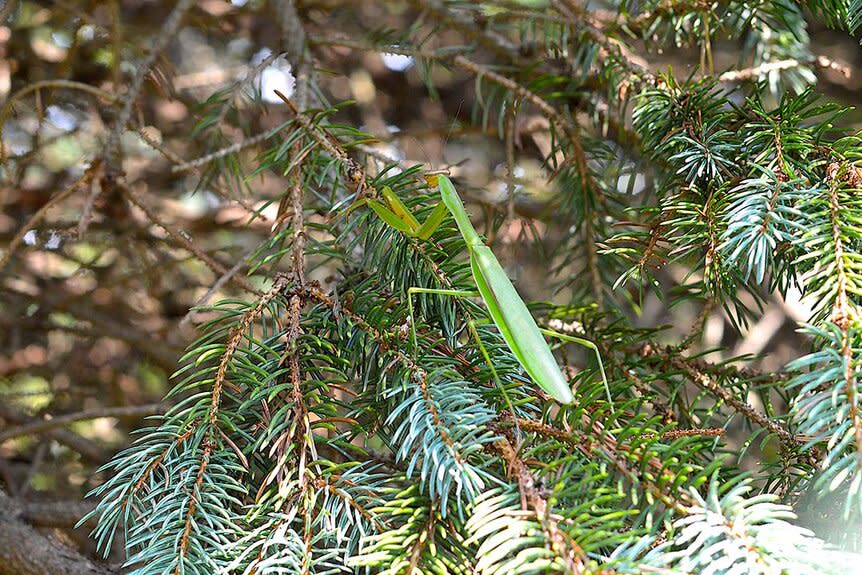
[312,432]
[746,534]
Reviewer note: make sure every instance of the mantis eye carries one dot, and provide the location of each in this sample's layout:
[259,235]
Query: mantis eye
[431,177]
[431,180]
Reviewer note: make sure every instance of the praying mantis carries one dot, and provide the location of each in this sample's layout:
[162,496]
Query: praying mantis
[506,308]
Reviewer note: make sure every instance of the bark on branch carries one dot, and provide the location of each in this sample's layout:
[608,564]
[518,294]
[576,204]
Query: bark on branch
[25,551]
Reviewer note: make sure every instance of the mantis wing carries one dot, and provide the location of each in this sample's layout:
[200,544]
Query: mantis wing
[516,324]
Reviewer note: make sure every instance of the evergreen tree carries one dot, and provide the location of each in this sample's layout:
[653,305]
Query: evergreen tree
[311,432]
[313,435]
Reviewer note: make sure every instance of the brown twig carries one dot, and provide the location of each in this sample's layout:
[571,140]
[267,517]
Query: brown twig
[113,150]
[705,382]
[767,67]
[87,212]
[697,326]
[618,454]
[293,37]
[217,268]
[677,433]
[563,546]
[323,139]
[219,283]
[298,224]
[41,426]
[89,449]
[84,180]
[183,166]
[36,86]
[212,420]
[175,159]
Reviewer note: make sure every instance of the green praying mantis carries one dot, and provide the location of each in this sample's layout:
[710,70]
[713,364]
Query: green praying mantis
[506,308]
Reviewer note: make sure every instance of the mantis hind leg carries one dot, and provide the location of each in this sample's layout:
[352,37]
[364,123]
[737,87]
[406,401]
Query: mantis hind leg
[589,345]
[471,325]
[418,290]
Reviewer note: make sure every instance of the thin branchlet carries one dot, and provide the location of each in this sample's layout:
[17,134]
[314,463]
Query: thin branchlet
[844,314]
